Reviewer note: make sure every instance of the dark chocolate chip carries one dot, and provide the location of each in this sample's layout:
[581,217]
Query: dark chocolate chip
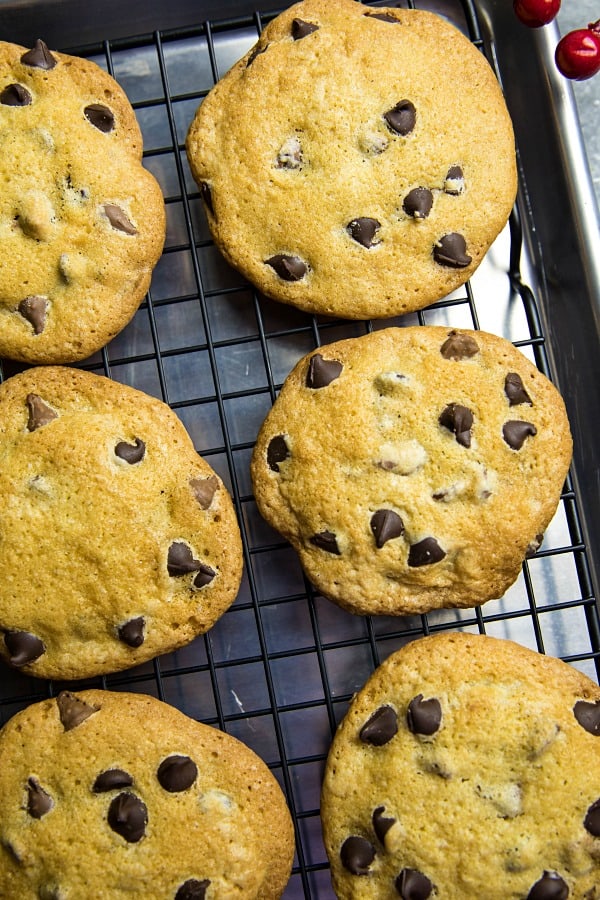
[177,773]
[424,716]
[425,553]
[326,540]
[301,29]
[321,372]
[39,57]
[40,413]
[515,390]
[418,203]
[128,816]
[34,309]
[117,218]
[386,525]
[592,819]
[100,116]
[290,268]
[73,711]
[39,802]
[256,51]
[205,489]
[206,194]
[111,780]
[413,885]
[357,854]
[205,576]
[459,420]
[380,727]
[515,432]
[131,453]
[23,647]
[382,16]
[401,118]
[533,546]
[455,181]
[451,250]
[192,889]
[277,452]
[15,95]
[381,823]
[588,716]
[180,560]
[132,632]
[363,230]
[459,346]
[550,887]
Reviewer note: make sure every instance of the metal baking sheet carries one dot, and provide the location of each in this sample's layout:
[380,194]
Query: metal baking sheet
[278,670]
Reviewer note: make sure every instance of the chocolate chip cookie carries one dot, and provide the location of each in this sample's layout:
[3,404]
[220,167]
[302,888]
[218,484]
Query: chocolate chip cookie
[118,542]
[413,468]
[82,223]
[467,767]
[117,795]
[357,161]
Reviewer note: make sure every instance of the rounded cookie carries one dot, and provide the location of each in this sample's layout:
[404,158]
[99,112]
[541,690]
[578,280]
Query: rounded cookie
[413,468]
[117,541]
[117,794]
[357,161]
[467,767]
[82,223]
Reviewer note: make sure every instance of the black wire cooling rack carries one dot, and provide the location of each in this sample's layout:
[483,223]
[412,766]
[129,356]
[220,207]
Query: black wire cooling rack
[278,670]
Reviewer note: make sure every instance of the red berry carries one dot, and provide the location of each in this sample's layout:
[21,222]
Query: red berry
[577,54]
[536,13]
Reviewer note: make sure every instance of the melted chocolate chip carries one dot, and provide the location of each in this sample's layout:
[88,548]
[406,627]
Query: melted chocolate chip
[588,716]
[192,889]
[290,268]
[459,420]
[550,887]
[380,727]
[15,95]
[386,525]
[326,540]
[401,119]
[205,576]
[40,413]
[100,116]
[206,194]
[132,632]
[205,489]
[128,816]
[515,390]
[34,309]
[381,823]
[413,885]
[357,854]
[117,218]
[533,546]
[592,819]
[455,181]
[177,773]
[112,779]
[23,648]
[301,29]
[363,231]
[180,560]
[277,452]
[515,432]
[256,51]
[73,711]
[451,250]
[459,346]
[39,57]
[321,372]
[424,716]
[38,801]
[382,16]
[131,453]
[425,553]
[418,203]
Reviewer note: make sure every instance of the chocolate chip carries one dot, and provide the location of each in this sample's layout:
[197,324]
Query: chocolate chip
[23,647]
[326,540]
[455,181]
[321,372]
[515,390]
[357,854]
[459,420]
[401,118]
[128,816]
[533,546]
[118,219]
[290,268]
[100,116]
[382,16]
[386,525]
[177,773]
[301,29]
[592,819]
[451,250]
[38,801]
[277,452]
[550,887]
[40,413]
[131,453]
[381,823]
[588,716]
[15,95]
[73,711]
[132,632]
[256,51]
[180,560]
[192,889]
[112,779]
[206,194]
[205,576]
[205,489]
[515,432]
[34,309]
[459,346]
[39,57]
[413,885]
[425,553]
[363,231]
[418,203]
[380,727]
[424,716]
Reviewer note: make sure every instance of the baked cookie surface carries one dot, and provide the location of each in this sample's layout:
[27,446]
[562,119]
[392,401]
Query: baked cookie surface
[82,223]
[467,767]
[357,161]
[413,468]
[118,542]
[114,795]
